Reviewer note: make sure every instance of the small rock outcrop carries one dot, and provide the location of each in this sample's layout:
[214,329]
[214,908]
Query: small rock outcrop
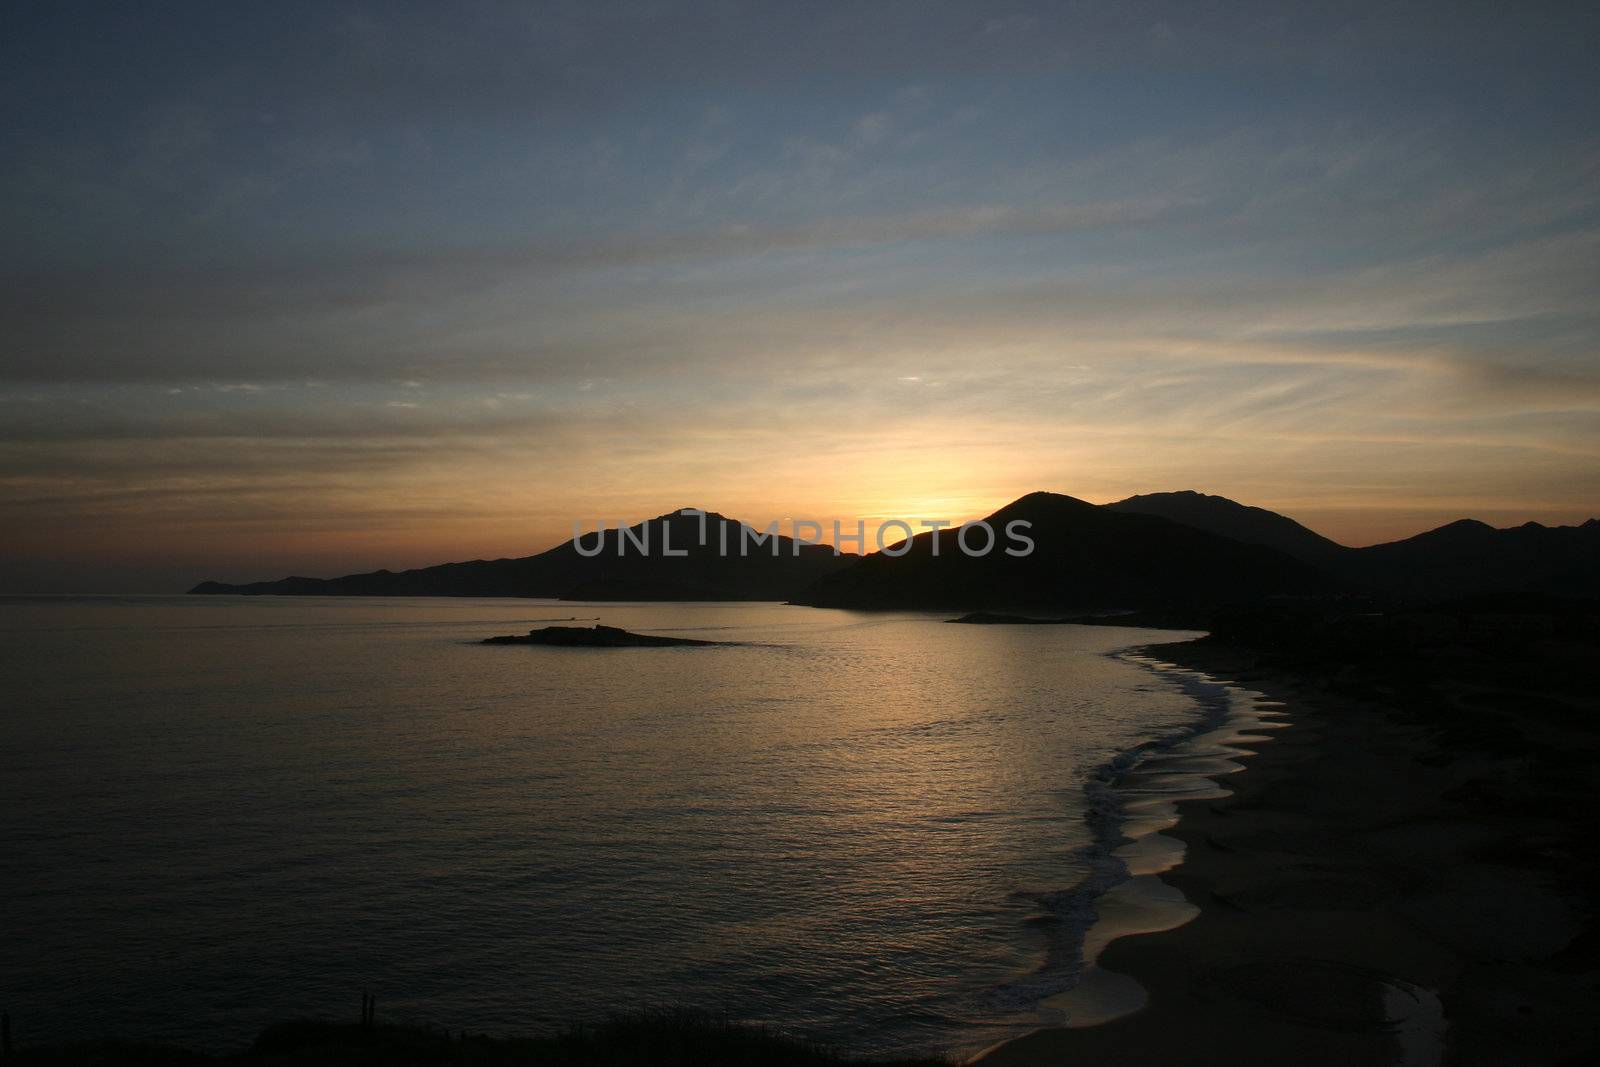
[593,637]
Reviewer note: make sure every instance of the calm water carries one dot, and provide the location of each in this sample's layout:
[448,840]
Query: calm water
[217,812]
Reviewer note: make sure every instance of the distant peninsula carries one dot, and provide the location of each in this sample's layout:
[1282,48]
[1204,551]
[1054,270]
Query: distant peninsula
[600,567]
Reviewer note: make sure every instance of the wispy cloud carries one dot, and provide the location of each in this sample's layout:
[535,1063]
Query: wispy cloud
[308,276]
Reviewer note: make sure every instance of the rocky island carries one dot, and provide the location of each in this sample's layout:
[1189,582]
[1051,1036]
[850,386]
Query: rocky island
[596,636]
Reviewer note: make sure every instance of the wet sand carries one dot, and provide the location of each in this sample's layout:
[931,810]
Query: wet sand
[1360,896]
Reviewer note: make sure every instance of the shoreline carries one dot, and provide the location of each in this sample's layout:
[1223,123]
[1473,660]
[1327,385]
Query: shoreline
[1400,876]
[1148,795]
[1127,803]
[1136,798]
[1351,909]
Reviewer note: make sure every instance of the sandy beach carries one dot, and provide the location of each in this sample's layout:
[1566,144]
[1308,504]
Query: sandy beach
[1375,890]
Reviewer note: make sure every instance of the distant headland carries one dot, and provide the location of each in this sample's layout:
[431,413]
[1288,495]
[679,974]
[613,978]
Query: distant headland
[1162,551]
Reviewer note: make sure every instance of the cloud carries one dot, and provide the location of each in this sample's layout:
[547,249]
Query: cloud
[116,325]
[393,264]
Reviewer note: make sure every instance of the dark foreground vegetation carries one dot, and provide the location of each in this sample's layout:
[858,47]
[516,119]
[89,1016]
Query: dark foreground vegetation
[657,1040]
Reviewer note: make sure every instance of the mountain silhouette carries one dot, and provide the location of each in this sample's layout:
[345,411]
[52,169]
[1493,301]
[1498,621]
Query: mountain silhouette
[1154,550]
[1241,522]
[1085,557]
[1462,558]
[1468,557]
[627,572]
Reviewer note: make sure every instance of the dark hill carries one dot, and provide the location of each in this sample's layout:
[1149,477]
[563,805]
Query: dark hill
[1084,557]
[1469,557]
[620,570]
[1219,515]
[1462,558]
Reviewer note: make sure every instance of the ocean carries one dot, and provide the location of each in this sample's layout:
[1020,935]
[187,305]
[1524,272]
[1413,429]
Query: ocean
[878,831]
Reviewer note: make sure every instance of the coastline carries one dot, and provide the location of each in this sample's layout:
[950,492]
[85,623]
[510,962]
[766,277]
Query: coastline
[1356,904]
[1399,867]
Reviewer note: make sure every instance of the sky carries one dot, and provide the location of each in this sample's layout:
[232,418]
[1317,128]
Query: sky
[320,288]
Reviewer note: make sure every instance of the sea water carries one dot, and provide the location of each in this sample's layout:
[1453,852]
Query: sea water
[873,830]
